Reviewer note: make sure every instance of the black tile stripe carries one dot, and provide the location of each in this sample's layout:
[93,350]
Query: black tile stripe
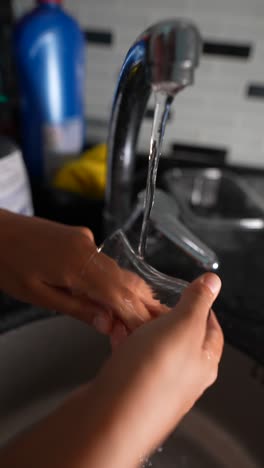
[149,114]
[255,90]
[210,47]
[227,49]
[96,36]
[6,11]
[210,154]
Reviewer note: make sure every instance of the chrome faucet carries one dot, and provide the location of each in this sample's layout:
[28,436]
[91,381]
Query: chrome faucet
[163,58]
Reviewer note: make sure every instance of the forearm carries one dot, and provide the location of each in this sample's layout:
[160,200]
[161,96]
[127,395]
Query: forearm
[5,228]
[77,435]
[7,243]
[5,217]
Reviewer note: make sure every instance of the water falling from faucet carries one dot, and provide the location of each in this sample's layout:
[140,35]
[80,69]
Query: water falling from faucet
[162,108]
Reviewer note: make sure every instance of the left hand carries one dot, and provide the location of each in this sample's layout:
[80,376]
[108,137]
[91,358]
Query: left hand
[58,267]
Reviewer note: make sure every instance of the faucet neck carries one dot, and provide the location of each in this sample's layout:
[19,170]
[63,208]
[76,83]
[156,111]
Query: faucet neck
[162,59]
[129,106]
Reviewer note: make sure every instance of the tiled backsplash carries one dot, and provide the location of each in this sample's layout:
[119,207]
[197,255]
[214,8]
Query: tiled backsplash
[225,107]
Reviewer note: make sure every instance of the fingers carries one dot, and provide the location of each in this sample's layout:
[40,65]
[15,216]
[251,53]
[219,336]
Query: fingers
[214,339]
[212,350]
[118,335]
[105,283]
[198,298]
[79,307]
[126,294]
[103,322]
[145,293]
[86,232]
[87,311]
[64,302]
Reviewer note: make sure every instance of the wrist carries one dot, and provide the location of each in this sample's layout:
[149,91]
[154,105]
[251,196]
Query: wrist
[110,442]
[122,434]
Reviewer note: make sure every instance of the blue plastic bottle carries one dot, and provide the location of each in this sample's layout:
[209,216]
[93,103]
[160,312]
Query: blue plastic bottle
[49,51]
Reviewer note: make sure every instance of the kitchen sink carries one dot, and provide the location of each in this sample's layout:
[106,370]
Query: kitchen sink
[211,203]
[218,205]
[43,361]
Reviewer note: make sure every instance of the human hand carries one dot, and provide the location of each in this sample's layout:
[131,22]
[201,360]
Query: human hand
[159,372]
[58,267]
[139,396]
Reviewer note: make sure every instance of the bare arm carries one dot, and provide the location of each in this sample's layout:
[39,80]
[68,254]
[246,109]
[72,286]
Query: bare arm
[138,397]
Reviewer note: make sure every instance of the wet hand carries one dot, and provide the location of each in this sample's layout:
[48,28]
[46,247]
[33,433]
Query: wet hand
[58,267]
[160,371]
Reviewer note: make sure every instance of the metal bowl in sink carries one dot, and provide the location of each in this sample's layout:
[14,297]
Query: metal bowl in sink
[219,206]
[42,362]
[227,214]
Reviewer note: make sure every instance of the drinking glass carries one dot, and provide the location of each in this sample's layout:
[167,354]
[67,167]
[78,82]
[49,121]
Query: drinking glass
[165,289]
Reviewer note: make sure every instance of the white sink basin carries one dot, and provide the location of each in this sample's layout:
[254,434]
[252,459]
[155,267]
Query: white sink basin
[41,362]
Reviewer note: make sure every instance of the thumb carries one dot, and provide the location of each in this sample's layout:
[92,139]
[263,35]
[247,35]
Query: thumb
[214,339]
[198,298]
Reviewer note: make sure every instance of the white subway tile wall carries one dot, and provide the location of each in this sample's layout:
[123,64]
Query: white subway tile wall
[216,111]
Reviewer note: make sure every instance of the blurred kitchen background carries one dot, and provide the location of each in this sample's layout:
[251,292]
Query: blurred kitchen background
[214,135]
[224,111]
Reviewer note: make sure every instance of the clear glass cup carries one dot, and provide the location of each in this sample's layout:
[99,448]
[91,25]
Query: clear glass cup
[165,289]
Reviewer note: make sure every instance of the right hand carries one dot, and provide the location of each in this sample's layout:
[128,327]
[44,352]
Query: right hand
[159,372]
[149,383]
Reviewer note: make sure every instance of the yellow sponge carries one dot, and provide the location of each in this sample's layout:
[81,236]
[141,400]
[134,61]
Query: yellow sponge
[86,175]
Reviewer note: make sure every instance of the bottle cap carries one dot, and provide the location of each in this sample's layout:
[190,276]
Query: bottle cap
[56,2]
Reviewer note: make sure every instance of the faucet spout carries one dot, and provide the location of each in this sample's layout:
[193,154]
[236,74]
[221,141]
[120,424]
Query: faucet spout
[163,59]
